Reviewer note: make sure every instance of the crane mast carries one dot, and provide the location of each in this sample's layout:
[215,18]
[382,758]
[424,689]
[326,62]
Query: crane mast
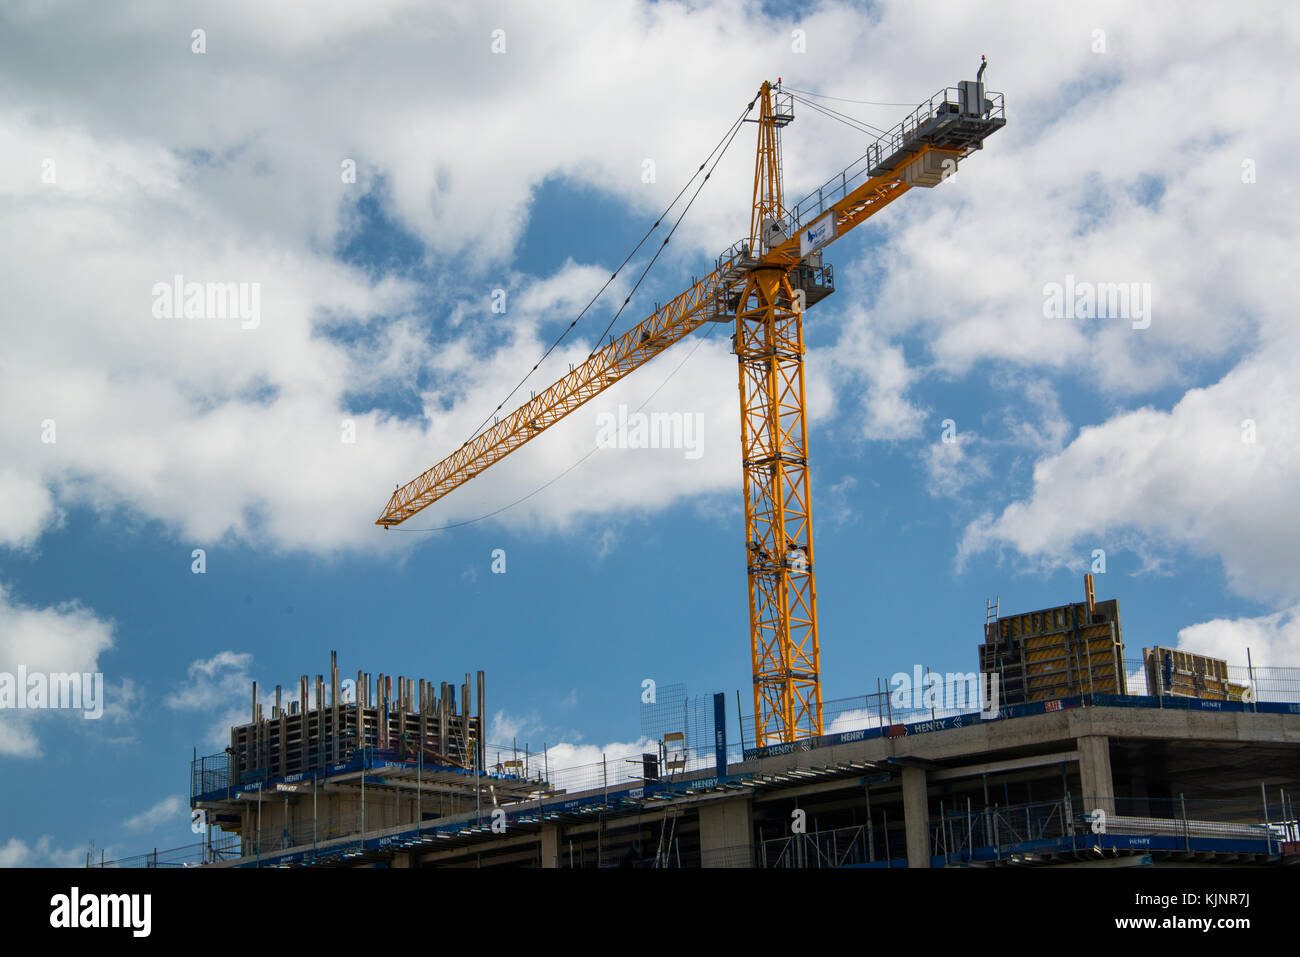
[761,286]
[774,457]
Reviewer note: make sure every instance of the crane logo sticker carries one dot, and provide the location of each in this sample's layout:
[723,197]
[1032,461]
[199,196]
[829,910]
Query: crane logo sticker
[817,235]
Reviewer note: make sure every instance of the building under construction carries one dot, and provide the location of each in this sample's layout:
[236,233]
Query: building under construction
[1071,766]
[347,756]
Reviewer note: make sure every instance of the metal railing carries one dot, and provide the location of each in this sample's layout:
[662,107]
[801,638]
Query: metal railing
[883,843]
[877,710]
[215,772]
[817,201]
[1273,683]
[225,847]
[959,833]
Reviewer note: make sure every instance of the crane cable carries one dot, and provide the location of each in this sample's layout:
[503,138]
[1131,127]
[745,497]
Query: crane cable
[594,449]
[735,130]
[722,144]
[823,96]
[860,125]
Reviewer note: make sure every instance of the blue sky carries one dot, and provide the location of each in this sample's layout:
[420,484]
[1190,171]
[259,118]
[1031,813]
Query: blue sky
[522,171]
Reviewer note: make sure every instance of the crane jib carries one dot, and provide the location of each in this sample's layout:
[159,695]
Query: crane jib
[920,151]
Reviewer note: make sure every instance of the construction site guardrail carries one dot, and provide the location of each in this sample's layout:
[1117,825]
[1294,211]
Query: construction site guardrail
[956,694]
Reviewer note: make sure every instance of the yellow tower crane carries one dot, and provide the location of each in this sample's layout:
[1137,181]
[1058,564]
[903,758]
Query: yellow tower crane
[762,285]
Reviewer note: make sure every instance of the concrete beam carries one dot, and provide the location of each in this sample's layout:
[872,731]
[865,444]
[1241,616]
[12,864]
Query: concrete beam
[435,857]
[1128,860]
[829,784]
[916,813]
[997,767]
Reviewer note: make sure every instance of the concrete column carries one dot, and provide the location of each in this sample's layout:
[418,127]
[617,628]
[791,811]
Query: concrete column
[401,860]
[916,817]
[727,833]
[1138,786]
[1094,773]
[550,845]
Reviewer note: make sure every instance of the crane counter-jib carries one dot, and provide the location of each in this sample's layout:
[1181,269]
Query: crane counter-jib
[948,125]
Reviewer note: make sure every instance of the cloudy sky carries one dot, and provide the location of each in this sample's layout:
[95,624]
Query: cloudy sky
[384,174]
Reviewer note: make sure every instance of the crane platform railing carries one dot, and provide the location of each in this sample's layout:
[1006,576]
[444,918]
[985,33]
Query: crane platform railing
[937,121]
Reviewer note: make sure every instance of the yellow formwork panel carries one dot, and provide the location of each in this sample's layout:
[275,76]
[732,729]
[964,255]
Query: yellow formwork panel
[1035,623]
[1057,652]
[1190,676]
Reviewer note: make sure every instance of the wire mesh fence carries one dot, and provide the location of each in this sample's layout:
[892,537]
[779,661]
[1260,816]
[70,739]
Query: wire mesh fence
[1273,683]
[951,694]
[664,710]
